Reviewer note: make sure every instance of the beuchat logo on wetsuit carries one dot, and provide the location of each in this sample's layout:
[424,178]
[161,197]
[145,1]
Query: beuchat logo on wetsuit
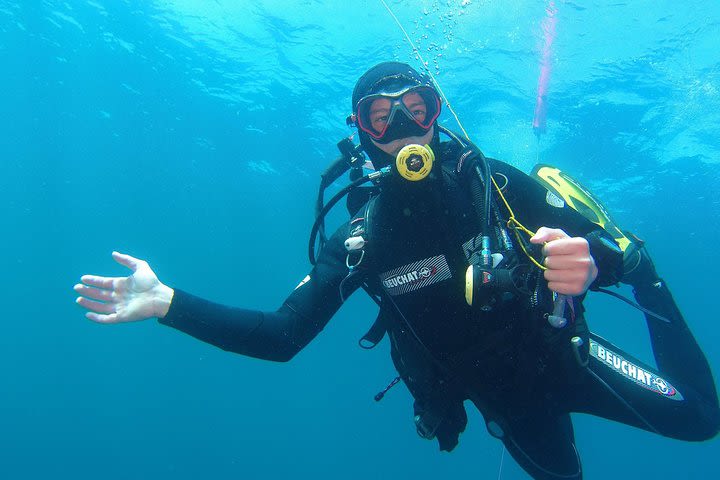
[627,369]
[416,275]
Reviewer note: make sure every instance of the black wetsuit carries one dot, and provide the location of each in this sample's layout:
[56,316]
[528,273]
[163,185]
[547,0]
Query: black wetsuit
[520,372]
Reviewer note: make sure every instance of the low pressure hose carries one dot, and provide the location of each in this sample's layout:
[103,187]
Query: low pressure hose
[336,198]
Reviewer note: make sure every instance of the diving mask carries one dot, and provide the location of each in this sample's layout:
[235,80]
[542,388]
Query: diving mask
[410,112]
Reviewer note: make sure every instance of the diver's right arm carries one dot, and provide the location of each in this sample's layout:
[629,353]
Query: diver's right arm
[277,335]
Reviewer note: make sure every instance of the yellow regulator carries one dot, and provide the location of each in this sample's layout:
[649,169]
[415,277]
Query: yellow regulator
[414,162]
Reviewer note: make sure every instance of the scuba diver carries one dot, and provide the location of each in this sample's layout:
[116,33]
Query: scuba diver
[479,271]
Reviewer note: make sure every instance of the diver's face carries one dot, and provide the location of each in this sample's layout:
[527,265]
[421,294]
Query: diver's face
[381,110]
[394,147]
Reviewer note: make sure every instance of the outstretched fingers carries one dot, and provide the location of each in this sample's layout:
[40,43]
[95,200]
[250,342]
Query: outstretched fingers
[105,283]
[103,295]
[100,318]
[97,307]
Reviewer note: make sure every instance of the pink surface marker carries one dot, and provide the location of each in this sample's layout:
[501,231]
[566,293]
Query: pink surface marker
[548,26]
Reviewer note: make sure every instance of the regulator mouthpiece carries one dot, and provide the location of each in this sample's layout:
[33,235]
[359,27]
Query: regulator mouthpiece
[414,162]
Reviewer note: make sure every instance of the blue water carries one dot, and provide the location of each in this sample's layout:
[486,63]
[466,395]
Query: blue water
[191,133]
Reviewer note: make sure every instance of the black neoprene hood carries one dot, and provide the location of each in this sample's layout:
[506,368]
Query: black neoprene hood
[386,77]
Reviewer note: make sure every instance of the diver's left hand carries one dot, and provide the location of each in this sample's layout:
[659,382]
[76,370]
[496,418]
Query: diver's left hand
[570,267]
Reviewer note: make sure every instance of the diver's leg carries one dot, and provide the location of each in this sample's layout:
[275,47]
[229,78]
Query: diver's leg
[678,399]
[619,387]
[542,443]
[676,351]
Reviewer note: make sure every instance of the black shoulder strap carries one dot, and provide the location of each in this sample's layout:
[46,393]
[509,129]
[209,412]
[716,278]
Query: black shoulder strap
[361,226]
[376,332]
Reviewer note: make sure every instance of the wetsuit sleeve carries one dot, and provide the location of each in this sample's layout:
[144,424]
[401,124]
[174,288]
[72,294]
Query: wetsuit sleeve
[528,199]
[277,335]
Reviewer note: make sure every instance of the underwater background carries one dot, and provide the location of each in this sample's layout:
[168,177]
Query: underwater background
[192,133]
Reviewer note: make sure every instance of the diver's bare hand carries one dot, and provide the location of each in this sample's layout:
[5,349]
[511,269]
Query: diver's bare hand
[124,299]
[570,267]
